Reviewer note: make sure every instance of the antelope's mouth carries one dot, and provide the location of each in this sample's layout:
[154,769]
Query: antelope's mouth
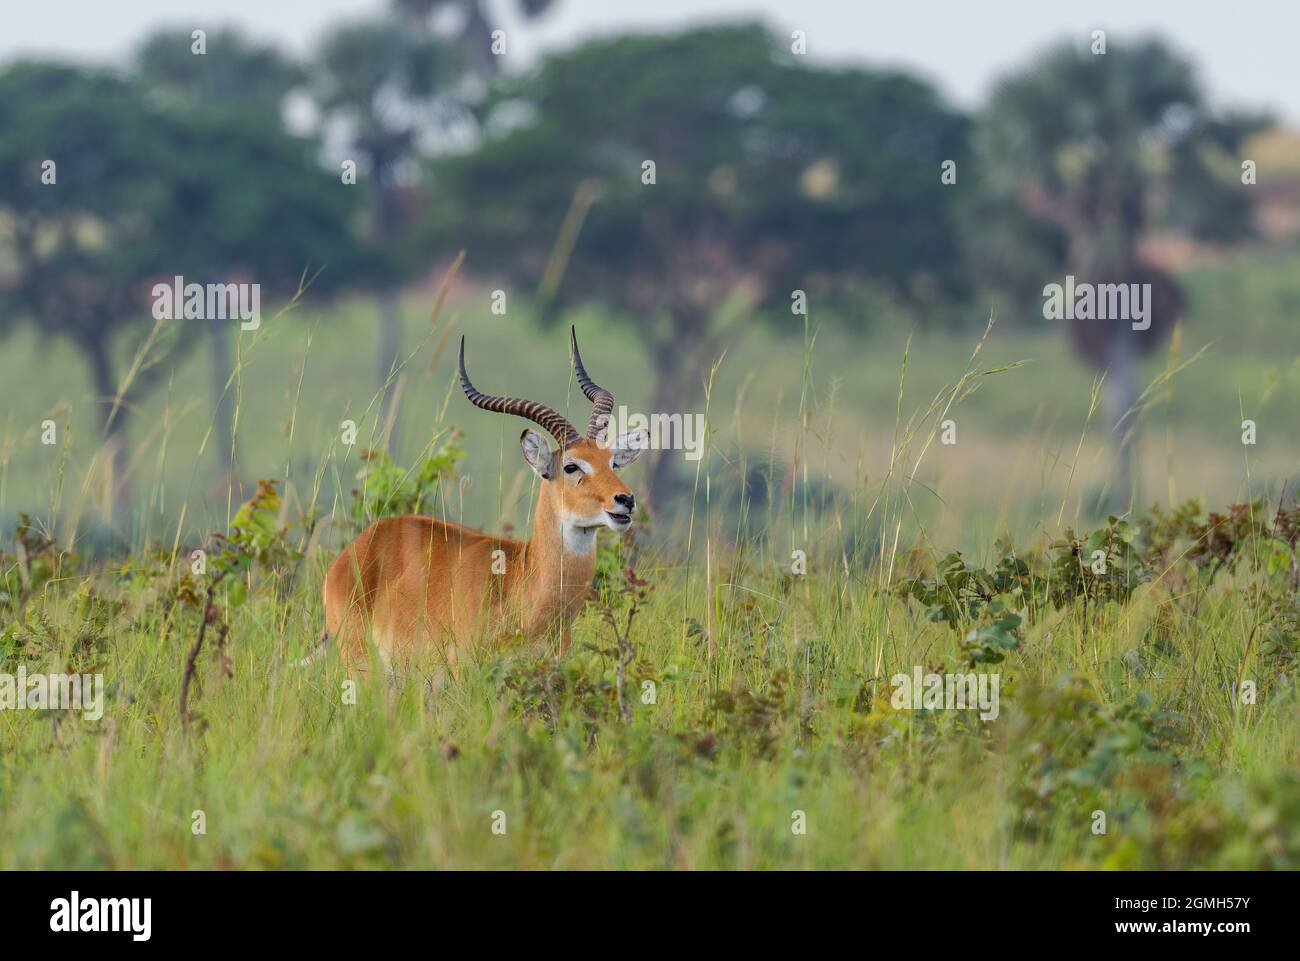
[621,520]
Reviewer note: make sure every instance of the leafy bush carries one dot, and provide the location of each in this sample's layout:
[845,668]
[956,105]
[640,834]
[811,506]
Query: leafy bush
[388,490]
[1072,747]
[981,605]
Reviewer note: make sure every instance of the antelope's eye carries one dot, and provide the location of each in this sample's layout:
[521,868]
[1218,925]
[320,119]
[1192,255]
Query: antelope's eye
[571,468]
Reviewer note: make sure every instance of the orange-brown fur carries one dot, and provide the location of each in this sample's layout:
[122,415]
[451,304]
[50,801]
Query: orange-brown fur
[420,585]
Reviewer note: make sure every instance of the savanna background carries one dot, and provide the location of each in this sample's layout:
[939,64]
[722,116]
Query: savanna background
[839,263]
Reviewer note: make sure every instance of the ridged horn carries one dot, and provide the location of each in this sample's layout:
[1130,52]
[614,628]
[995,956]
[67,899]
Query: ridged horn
[545,417]
[601,399]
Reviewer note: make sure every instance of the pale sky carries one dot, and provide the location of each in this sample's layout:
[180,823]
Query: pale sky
[1246,50]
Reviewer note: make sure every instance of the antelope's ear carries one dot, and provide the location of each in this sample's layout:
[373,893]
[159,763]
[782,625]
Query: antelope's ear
[628,447]
[538,454]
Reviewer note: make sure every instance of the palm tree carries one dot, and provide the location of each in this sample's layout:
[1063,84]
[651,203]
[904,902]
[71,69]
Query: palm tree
[392,86]
[1080,155]
[240,75]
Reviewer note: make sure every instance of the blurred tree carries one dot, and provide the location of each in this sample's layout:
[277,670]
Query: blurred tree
[242,76]
[474,34]
[256,76]
[770,176]
[1079,156]
[392,87]
[146,191]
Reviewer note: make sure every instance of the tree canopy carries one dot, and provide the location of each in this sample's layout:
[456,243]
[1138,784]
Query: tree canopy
[770,175]
[142,189]
[766,170]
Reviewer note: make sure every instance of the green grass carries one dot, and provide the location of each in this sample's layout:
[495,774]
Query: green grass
[772,691]
[288,775]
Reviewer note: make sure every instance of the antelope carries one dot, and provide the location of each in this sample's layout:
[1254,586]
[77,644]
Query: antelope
[416,584]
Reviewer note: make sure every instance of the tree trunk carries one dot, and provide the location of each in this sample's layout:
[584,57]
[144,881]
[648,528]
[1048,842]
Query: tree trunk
[679,362]
[661,480]
[675,391]
[390,345]
[1121,394]
[476,40]
[390,335]
[223,406]
[114,425]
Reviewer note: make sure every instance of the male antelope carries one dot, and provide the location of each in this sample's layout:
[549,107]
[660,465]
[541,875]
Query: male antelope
[409,582]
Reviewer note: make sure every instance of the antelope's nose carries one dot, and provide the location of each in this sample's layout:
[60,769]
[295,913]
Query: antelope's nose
[625,500]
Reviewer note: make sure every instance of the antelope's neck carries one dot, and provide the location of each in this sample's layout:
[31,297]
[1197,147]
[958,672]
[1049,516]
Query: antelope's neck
[561,558]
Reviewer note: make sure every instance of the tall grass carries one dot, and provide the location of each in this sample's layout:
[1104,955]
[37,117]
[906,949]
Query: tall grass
[761,697]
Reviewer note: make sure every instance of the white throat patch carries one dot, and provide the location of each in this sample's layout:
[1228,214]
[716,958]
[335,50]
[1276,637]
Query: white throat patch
[578,540]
